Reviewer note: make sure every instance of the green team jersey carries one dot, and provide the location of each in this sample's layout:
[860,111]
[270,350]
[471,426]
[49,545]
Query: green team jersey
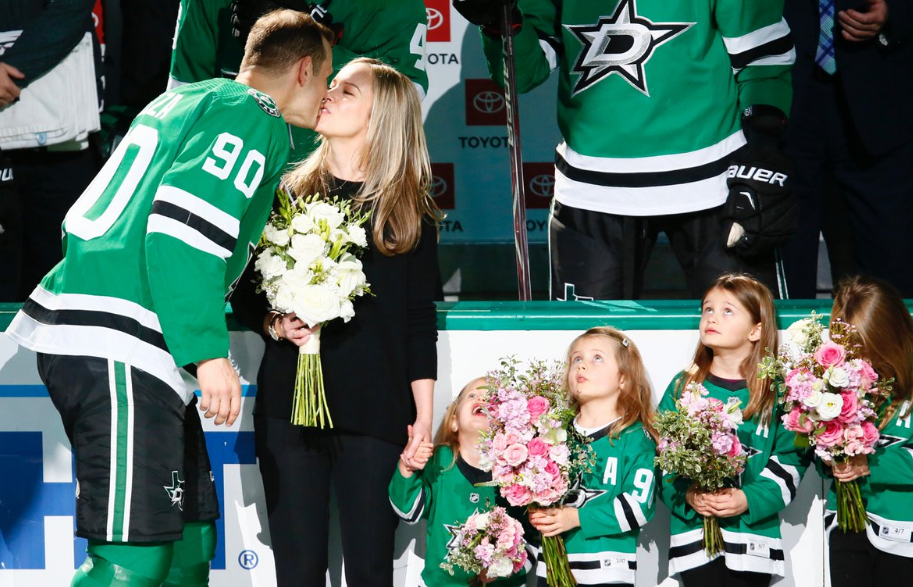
[771,478]
[615,499]
[157,240]
[888,489]
[393,32]
[445,494]
[650,93]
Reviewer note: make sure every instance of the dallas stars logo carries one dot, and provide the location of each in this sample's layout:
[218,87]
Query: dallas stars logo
[622,44]
[579,495]
[176,491]
[266,103]
[750,451]
[886,440]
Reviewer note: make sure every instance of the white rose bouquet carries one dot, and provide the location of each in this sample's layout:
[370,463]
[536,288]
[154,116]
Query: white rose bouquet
[308,267]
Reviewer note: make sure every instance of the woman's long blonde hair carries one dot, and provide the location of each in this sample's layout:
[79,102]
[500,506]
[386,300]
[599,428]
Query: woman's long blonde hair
[395,160]
[759,302]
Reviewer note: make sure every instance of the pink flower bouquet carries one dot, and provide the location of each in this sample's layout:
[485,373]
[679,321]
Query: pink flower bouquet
[489,542]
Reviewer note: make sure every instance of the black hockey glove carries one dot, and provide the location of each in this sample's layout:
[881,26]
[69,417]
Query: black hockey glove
[760,213]
[244,13]
[487,14]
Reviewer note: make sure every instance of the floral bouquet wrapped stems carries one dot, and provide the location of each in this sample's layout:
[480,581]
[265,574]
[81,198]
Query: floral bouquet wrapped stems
[699,442]
[489,543]
[308,266]
[830,397]
[527,448]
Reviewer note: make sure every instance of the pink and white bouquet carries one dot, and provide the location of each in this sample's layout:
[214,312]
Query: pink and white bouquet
[699,441]
[527,448]
[308,266]
[488,542]
[830,397]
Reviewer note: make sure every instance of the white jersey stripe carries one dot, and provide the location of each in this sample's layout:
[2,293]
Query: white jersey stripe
[112,480]
[185,234]
[211,214]
[620,515]
[95,303]
[128,486]
[756,38]
[414,514]
[635,507]
[550,55]
[781,59]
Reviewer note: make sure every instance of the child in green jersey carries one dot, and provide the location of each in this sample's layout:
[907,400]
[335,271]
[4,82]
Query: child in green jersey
[885,550]
[444,491]
[608,383]
[737,326]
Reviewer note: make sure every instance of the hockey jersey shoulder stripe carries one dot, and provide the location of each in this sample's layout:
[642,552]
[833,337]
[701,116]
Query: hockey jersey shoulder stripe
[199,207]
[186,234]
[208,230]
[777,52]
[757,38]
[785,476]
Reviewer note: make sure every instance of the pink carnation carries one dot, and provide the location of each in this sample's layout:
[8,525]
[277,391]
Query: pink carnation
[830,354]
[831,436]
[537,406]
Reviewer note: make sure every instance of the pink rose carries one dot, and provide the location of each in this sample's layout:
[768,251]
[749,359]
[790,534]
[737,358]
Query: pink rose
[511,438]
[850,407]
[537,406]
[736,449]
[870,433]
[515,454]
[537,447]
[521,560]
[867,375]
[517,495]
[553,470]
[792,419]
[831,436]
[830,354]
[499,443]
[854,447]
[853,433]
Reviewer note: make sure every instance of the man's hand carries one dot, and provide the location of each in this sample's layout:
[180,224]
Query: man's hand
[221,390]
[9,91]
[864,26]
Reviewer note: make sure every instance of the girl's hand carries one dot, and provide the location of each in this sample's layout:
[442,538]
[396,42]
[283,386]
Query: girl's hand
[554,521]
[697,499]
[483,577]
[726,503]
[419,433]
[292,329]
[417,462]
[854,468]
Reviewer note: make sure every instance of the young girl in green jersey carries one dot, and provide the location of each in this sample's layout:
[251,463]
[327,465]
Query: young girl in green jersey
[608,383]
[737,327]
[885,549]
[441,484]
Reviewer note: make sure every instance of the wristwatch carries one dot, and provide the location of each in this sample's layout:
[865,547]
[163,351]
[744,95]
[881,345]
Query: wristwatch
[272,327]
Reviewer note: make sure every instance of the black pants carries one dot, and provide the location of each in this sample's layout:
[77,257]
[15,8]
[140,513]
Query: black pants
[856,563]
[591,252]
[717,574]
[877,192]
[298,465]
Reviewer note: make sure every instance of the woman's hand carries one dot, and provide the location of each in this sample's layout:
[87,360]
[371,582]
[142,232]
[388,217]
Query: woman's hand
[554,521]
[854,468]
[697,499]
[419,433]
[294,330]
[418,461]
[726,503]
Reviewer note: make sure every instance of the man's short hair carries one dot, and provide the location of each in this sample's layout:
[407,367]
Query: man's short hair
[280,38]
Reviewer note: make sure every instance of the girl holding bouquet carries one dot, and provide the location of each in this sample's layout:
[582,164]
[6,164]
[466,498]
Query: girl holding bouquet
[608,384]
[738,322]
[444,490]
[379,368]
[885,478]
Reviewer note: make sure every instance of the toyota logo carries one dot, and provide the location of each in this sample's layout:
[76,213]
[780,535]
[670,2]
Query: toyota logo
[434,17]
[438,186]
[542,185]
[488,102]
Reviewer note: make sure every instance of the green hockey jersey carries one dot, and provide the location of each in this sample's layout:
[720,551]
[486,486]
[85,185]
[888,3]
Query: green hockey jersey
[650,94]
[615,499]
[393,32]
[888,489]
[157,240]
[445,494]
[771,478]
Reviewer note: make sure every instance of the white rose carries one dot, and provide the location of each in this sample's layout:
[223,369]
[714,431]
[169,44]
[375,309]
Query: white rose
[733,413]
[316,304]
[481,521]
[283,299]
[276,236]
[301,223]
[797,333]
[346,310]
[500,567]
[270,265]
[837,377]
[357,235]
[813,399]
[351,277]
[306,247]
[831,404]
[324,211]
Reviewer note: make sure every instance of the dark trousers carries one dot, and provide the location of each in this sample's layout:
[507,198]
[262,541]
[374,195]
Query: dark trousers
[717,574]
[856,563]
[877,193]
[297,465]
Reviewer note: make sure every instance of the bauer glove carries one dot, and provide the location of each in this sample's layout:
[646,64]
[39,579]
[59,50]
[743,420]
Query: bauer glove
[487,14]
[244,13]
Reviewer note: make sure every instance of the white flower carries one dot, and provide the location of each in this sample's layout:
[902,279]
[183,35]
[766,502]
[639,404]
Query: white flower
[346,310]
[306,248]
[733,413]
[316,304]
[351,277]
[837,377]
[500,567]
[324,211]
[357,235]
[797,333]
[481,521]
[302,223]
[270,265]
[283,299]
[813,399]
[831,404]
[276,236]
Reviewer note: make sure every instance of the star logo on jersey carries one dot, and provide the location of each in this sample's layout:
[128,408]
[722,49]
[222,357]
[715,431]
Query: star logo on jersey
[579,495]
[176,491]
[886,440]
[622,44]
[266,103]
[750,451]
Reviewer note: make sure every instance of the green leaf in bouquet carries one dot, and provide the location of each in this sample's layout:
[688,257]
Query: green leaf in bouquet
[801,441]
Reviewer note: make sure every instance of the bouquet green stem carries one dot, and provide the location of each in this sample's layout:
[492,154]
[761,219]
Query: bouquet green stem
[309,406]
[851,516]
[713,538]
[558,569]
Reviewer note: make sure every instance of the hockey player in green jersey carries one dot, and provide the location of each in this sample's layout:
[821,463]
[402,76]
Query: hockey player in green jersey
[151,250]
[884,552]
[651,96]
[445,491]
[738,322]
[608,382]
[210,36]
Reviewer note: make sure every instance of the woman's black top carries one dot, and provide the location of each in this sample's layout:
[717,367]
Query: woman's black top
[369,362]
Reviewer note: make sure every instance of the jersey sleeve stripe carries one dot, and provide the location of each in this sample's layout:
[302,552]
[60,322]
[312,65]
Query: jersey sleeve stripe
[199,207]
[185,234]
[551,55]
[415,513]
[785,476]
[757,38]
[207,229]
[628,513]
[777,53]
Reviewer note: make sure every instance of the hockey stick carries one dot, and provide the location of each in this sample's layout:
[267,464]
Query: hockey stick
[517,185]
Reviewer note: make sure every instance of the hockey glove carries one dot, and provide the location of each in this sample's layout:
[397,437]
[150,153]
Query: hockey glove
[244,13]
[487,14]
[760,213]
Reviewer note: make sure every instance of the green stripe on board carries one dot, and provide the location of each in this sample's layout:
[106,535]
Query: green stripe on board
[120,474]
